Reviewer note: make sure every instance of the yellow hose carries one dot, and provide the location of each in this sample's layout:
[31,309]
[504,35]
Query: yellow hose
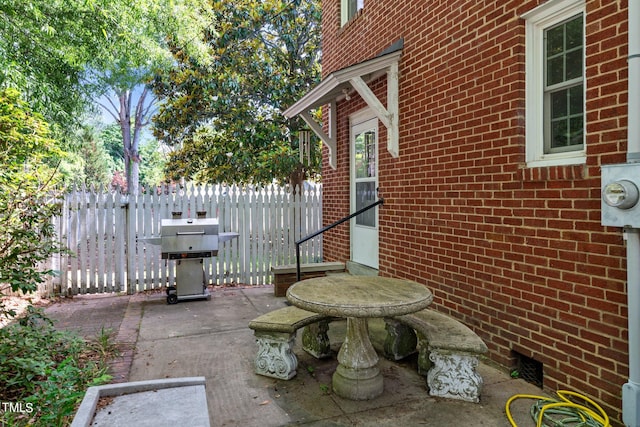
[600,416]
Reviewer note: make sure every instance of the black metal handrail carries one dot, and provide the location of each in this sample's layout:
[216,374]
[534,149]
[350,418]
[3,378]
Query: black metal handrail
[327,228]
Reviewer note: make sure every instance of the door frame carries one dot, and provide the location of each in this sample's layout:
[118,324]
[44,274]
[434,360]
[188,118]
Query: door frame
[372,234]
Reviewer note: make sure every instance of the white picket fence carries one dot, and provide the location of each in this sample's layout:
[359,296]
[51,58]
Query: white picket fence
[107,231]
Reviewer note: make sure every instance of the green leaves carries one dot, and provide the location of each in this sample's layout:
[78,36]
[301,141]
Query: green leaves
[63,55]
[48,370]
[223,115]
[27,203]
[44,45]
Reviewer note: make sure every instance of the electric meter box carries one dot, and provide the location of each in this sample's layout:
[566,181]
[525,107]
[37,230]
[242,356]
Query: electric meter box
[620,193]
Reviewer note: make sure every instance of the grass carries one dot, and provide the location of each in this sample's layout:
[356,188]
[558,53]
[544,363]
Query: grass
[44,372]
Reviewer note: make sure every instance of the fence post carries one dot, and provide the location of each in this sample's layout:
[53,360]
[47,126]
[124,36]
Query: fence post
[130,229]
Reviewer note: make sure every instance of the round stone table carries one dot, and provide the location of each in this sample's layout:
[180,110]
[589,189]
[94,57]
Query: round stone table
[358,298]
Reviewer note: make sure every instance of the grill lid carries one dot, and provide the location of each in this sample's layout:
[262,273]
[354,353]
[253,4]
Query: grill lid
[189,238]
[189,226]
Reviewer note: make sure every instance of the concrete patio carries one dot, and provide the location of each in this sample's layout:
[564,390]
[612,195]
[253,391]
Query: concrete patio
[211,339]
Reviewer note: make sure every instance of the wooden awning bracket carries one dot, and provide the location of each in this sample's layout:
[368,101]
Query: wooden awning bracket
[335,87]
[329,140]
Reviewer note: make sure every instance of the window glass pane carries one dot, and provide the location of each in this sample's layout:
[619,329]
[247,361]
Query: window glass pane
[558,133]
[369,138]
[576,101]
[555,41]
[574,64]
[574,33]
[567,118]
[555,70]
[563,50]
[558,104]
[352,7]
[576,130]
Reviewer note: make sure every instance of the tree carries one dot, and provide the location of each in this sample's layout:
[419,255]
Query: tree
[65,54]
[152,167]
[44,47]
[121,77]
[131,128]
[223,117]
[97,165]
[112,140]
[28,159]
[87,163]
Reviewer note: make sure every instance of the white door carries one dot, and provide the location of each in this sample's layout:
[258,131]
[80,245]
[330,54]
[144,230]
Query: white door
[364,186]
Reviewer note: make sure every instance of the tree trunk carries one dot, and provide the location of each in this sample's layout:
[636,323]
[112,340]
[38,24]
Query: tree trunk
[131,140]
[297,177]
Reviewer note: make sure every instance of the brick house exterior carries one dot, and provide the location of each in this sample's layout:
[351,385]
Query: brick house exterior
[512,248]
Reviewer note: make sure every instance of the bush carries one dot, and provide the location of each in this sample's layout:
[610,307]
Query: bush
[45,372]
[28,174]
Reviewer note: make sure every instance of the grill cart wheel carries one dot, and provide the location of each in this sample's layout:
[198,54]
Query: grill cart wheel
[172,299]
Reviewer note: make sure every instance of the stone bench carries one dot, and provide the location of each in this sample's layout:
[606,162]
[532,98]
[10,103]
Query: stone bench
[275,334]
[286,275]
[448,352]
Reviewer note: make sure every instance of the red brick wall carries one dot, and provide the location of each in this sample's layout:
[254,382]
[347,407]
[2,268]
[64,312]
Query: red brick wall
[518,254]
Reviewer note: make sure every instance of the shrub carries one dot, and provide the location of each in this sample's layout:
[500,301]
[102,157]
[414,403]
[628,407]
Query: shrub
[47,371]
[28,159]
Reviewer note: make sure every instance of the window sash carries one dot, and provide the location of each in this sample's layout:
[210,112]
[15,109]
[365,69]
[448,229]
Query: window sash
[564,86]
[539,95]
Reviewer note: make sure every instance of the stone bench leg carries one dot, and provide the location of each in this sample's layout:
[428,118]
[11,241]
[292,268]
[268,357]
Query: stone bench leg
[453,375]
[424,363]
[400,341]
[275,356]
[315,339]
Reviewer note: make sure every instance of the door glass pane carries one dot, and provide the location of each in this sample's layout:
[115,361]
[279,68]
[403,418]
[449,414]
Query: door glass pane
[366,195]
[365,152]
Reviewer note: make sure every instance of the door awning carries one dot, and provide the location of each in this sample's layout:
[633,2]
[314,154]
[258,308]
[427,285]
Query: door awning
[337,86]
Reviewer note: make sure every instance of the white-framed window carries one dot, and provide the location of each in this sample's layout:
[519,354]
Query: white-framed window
[348,8]
[555,84]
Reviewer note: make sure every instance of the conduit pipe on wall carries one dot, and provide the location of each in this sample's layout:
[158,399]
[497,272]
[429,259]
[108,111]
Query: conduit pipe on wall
[631,390]
[633,132]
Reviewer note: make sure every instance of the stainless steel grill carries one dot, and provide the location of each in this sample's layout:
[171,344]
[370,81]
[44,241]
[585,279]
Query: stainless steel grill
[188,242]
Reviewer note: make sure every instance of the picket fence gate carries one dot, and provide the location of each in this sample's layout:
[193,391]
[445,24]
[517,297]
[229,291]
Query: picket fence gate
[106,232]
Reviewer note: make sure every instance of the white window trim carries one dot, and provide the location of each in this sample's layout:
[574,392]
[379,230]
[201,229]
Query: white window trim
[537,20]
[344,17]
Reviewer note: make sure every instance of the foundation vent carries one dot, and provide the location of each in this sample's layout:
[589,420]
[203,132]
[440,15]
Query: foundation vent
[529,369]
